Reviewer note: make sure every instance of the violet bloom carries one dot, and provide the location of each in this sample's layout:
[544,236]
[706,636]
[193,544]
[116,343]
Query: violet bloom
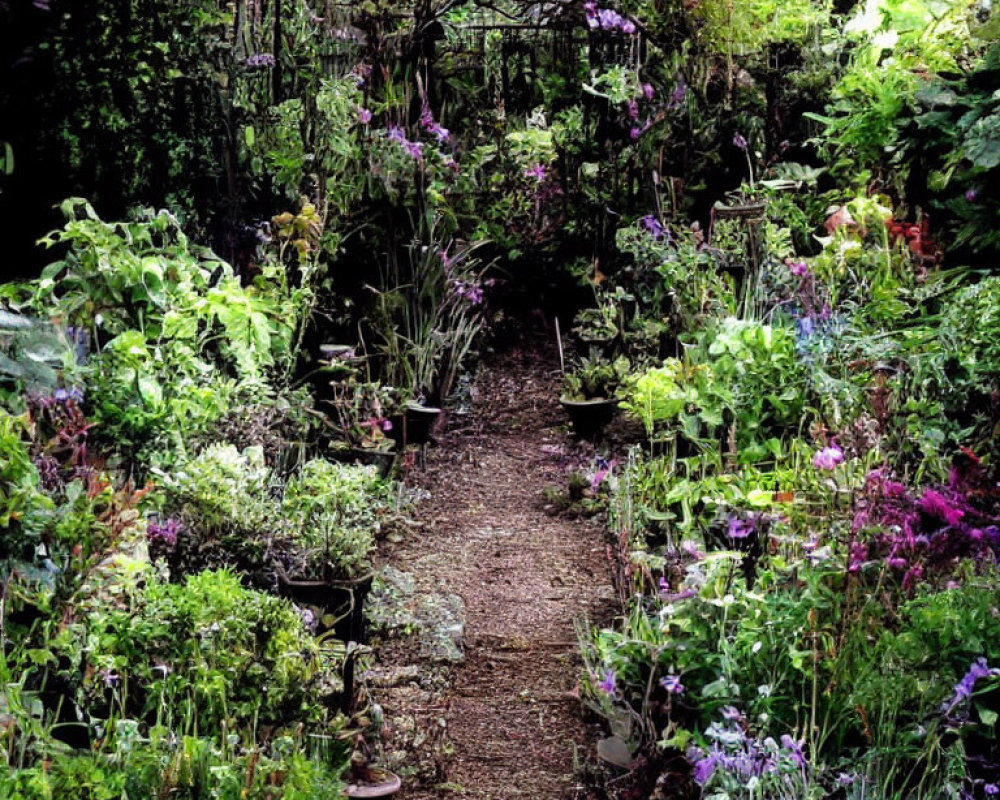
[364,116]
[704,767]
[537,172]
[647,91]
[828,458]
[739,141]
[633,109]
[991,789]
[109,677]
[653,225]
[259,61]
[678,95]
[741,528]
[971,194]
[635,133]
[672,683]
[163,532]
[963,689]
[429,125]
[794,750]
[414,150]
[396,134]
[607,684]
[731,714]
[627,27]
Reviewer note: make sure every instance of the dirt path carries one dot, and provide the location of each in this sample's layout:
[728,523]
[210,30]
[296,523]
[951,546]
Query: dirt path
[505,722]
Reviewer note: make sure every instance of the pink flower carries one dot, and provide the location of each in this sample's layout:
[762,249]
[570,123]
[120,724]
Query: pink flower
[828,458]
[647,91]
[364,116]
[797,268]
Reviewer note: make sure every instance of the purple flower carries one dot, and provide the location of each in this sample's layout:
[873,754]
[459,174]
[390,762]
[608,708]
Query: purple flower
[672,683]
[109,677]
[607,684]
[537,172]
[364,116]
[991,789]
[971,194]
[647,91]
[739,141]
[414,150]
[428,124]
[633,109]
[163,532]
[259,61]
[627,27]
[731,714]
[678,95]
[396,134]
[704,767]
[828,458]
[635,133]
[653,226]
[741,528]
[471,292]
[963,689]
[794,750]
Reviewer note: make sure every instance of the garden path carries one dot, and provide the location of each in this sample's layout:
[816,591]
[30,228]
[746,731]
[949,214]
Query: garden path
[507,721]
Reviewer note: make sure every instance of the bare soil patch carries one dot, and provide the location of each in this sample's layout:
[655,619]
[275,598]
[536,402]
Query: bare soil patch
[506,721]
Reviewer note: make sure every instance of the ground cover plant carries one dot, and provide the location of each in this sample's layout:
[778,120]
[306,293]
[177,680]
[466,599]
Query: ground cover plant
[767,231]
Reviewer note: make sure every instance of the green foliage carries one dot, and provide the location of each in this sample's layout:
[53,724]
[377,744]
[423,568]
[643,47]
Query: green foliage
[321,524]
[206,655]
[334,510]
[178,337]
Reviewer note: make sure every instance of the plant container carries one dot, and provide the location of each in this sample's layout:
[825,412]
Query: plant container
[414,425]
[589,417]
[382,784]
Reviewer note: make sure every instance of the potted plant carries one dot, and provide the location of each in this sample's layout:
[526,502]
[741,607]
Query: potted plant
[589,393]
[362,422]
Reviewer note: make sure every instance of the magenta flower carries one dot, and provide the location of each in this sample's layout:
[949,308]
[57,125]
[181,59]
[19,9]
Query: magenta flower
[828,458]
[537,172]
[364,116]
[971,194]
[797,268]
[647,91]
[635,133]
[935,504]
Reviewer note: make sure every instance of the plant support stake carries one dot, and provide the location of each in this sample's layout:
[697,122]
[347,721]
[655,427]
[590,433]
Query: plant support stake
[562,363]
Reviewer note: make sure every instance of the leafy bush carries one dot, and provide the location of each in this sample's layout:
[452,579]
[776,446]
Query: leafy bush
[206,655]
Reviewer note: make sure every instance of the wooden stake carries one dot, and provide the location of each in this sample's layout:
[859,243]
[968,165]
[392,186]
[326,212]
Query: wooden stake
[562,363]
